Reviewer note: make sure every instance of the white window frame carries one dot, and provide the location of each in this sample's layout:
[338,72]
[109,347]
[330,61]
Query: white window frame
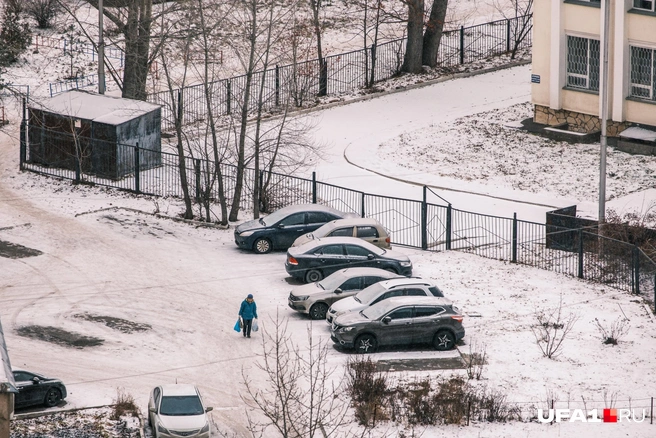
[585,76]
[637,4]
[649,87]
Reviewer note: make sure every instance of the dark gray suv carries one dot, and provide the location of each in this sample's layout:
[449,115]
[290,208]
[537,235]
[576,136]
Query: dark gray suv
[400,321]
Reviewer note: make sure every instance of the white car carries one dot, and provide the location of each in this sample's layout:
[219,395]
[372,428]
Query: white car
[398,287]
[178,411]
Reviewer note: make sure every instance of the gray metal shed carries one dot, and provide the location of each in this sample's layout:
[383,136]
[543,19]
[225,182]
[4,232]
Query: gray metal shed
[98,133]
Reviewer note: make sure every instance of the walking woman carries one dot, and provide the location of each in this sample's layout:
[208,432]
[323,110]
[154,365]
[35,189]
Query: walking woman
[247,312]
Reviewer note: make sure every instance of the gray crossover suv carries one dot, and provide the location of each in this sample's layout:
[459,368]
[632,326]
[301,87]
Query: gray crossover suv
[400,321]
[315,298]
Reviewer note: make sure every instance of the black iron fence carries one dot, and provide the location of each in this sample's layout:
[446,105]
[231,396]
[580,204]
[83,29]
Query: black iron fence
[584,253]
[297,84]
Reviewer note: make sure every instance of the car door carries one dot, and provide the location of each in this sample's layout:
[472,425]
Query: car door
[28,390]
[330,258]
[154,403]
[425,323]
[358,256]
[340,232]
[396,327]
[368,233]
[288,229]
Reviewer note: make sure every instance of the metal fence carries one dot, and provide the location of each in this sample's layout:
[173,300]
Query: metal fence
[297,84]
[583,253]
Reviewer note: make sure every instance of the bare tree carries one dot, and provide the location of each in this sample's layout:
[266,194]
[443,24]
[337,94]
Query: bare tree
[520,20]
[301,398]
[413,50]
[551,329]
[433,33]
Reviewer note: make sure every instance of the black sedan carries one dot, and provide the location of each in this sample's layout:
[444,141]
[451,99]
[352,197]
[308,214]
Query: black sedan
[35,389]
[319,258]
[279,229]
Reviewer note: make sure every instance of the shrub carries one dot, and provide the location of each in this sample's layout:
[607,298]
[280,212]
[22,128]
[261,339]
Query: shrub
[551,329]
[124,405]
[15,36]
[615,333]
[43,11]
[368,390]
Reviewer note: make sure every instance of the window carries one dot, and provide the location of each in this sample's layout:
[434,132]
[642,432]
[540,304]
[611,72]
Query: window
[403,313]
[357,251]
[415,292]
[427,311]
[318,217]
[332,250]
[643,73]
[645,5]
[582,63]
[390,294]
[367,232]
[435,291]
[294,219]
[368,281]
[352,284]
[342,232]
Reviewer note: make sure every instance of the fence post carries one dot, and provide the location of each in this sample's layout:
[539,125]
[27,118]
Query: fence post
[651,412]
[448,227]
[229,85]
[277,85]
[23,139]
[424,221]
[197,172]
[260,191]
[508,35]
[373,65]
[77,167]
[580,252]
[462,44]
[137,168]
[362,205]
[636,270]
[323,78]
[514,238]
[314,187]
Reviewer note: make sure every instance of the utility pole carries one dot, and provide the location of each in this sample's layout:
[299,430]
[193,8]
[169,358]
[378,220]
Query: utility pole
[603,95]
[101,50]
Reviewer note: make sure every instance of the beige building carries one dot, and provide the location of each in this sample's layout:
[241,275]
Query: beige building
[567,60]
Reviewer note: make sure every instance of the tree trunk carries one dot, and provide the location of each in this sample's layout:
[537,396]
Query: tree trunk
[413,48]
[433,33]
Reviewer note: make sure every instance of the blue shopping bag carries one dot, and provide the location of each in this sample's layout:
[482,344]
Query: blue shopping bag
[238,325]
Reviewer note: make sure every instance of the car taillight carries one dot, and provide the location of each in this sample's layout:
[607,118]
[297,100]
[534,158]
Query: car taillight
[457,318]
[388,240]
[292,261]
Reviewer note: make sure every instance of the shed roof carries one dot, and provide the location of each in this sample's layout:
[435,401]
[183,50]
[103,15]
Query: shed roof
[7,383]
[97,107]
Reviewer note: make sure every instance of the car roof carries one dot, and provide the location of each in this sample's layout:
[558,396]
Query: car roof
[179,389]
[337,240]
[351,221]
[310,207]
[358,272]
[394,282]
[394,302]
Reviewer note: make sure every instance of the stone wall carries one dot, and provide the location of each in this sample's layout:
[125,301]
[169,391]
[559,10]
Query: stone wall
[576,122]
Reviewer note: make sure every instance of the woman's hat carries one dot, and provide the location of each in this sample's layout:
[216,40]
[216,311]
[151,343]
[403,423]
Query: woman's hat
[250,296]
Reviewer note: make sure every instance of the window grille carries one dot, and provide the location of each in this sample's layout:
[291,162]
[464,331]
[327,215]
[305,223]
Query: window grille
[582,63]
[645,5]
[643,73]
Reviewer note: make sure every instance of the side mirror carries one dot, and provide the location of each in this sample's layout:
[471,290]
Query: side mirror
[153,409]
[35,380]
[371,256]
[281,225]
[209,408]
[386,320]
[338,291]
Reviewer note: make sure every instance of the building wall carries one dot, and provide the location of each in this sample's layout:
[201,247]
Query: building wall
[541,48]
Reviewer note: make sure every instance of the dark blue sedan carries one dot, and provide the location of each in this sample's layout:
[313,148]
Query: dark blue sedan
[35,389]
[279,229]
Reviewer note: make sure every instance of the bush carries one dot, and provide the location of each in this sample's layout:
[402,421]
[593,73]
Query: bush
[124,405]
[43,11]
[615,333]
[368,390]
[15,36]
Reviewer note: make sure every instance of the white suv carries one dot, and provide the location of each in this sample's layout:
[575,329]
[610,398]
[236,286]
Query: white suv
[385,289]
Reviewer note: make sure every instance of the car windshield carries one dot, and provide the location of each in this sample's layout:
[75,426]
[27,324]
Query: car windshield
[332,281]
[323,230]
[279,215]
[369,294]
[181,405]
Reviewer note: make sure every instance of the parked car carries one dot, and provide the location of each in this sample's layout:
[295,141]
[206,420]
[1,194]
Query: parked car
[315,298]
[36,389]
[381,291]
[319,258]
[400,321]
[177,410]
[279,229]
[365,228]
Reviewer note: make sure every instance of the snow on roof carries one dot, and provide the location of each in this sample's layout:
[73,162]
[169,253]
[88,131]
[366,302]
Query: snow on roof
[99,108]
[7,383]
[638,133]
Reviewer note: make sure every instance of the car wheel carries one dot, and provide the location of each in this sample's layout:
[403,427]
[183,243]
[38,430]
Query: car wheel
[318,311]
[313,275]
[366,344]
[53,396]
[262,246]
[444,340]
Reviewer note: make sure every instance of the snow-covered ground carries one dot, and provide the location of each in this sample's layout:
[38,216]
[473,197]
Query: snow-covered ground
[186,282]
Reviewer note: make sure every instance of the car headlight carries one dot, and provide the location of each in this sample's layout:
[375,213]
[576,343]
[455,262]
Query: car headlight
[246,233]
[302,298]
[163,429]
[205,428]
[406,264]
[345,329]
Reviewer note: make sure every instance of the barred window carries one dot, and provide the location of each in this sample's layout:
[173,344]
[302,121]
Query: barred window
[643,73]
[582,63]
[645,5]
